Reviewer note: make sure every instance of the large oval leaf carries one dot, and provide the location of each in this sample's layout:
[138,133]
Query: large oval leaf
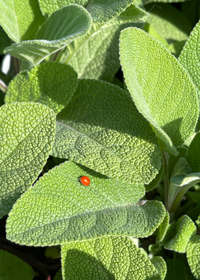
[111,257]
[27,133]
[102,129]
[159,86]
[59,209]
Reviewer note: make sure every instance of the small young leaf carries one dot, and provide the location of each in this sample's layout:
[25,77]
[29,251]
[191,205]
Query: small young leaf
[60,29]
[111,257]
[42,216]
[20,19]
[184,230]
[50,83]
[14,268]
[102,129]
[160,265]
[27,133]
[159,86]
[162,229]
[193,255]
[189,57]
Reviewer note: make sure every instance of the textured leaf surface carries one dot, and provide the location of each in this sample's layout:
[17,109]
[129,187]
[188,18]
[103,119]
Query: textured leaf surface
[111,257]
[50,7]
[14,268]
[193,255]
[189,57]
[159,86]
[58,208]
[184,230]
[169,22]
[20,18]
[61,28]
[193,154]
[51,83]
[97,56]
[162,229]
[160,265]
[27,133]
[102,129]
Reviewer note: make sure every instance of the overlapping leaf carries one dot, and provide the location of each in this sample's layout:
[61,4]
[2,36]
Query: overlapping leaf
[60,29]
[27,133]
[58,208]
[111,257]
[184,230]
[102,129]
[189,56]
[193,255]
[160,87]
[20,19]
[96,56]
[51,83]
[160,265]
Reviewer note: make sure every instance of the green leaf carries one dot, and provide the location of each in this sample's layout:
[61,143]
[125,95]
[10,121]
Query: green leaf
[193,255]
[102,129]
[178,269]
[160,265]
[184,230]
[97,56]
[27,134]
[60,29]
[154,183]
[50,7]
[159,86]
[189,57]
[111,257]
[4,40]
[104,207]
[180,183]
[42,84]
[162,229]
[58,275]
[20,18]
[169,22]
[193,154]
[14,268]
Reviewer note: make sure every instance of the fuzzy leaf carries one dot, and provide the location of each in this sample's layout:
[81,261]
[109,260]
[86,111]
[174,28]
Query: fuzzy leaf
[60,29]
[111,257]
[14,268]
[193,255]
[162,229]
[20,18]
[97,57]
[159,86]
[51,83]
[184,230]
[193,154]
[103,130]
[169,22]
[59,209]
[160,265]
[50,7]
[27,133]
[189,57]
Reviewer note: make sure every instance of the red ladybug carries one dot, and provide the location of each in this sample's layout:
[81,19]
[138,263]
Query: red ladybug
[84,180]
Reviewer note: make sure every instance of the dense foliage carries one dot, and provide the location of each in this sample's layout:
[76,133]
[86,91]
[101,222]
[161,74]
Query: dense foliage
[109,90]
